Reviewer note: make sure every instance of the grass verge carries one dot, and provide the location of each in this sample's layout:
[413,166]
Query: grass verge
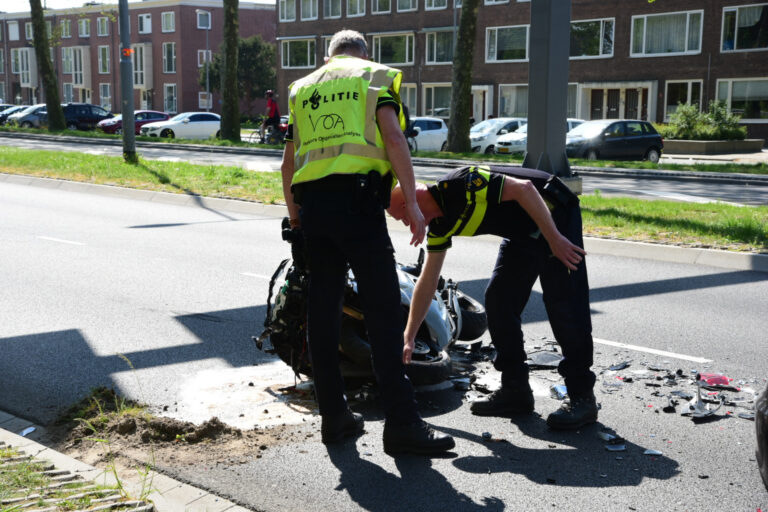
[702,225]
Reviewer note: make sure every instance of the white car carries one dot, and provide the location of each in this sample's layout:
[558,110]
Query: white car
[484,134]
[432,133]
[517,141]
[189,125]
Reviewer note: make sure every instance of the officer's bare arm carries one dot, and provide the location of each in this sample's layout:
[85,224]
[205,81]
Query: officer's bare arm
[525,193]
[287,169]
[422,297]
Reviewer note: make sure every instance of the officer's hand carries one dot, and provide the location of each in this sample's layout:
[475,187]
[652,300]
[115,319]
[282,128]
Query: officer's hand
[414,219]
[570,254]
[408,345]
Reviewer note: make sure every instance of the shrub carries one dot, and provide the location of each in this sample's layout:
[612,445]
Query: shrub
[715,124]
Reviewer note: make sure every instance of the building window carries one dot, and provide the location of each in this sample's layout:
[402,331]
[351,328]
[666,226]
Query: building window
[103,60]
[201,57]
[688,91]
[102,26]
[745,28]
[592,38]
[407,5]
[745,97]
[66,61]
[169,98]
[84,27]
[68,91]
[437,100]
[440,47]
[355,8]
[308,10]
[432,5]
[408,96]
[298,53]
[13,30]
[145,23]
[138,66]
[105,96]
[168,21]
[287,10]
[28,32]
[2,63]
[66,28]
[203,21]
[506,44]
[331,8]
[496,2]
[513,100]
[15,61]
[169,57]
[393,49]
[381,6]
[666,34]
[204,100]
[77,65]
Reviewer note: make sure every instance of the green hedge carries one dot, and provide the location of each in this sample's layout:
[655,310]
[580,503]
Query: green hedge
[688,123]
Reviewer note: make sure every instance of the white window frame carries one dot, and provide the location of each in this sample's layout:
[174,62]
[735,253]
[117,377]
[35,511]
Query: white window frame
[729,96]
[78,71]
[431,85]
[327,9]
[102,26]
[84,27]
[169,67]
[432,7]
[137,66]
[312,7]
[13,30]
[103,51]
[602,30]
[409,96]
[688,96]
[645,17]
[414,6]
[495,30]
[2,64]
[311,52]
[735,9]
[66,60]
[360,5]
[108,104]
[432,34]
[15,61]
[501,96]
[201,57]
[201,100]
[144,21]
[168,22]
[495,2]
[66,28]
[409,52]
[67,92]
[170,106]
[200,25]
[285,14]
[29,33]
[375,9]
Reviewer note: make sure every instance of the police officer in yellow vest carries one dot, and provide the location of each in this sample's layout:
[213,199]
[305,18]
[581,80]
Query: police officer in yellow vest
[344,142]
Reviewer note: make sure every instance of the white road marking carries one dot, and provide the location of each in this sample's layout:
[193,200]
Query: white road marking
[59,240]
[255,275]
[663,353]
[686,197]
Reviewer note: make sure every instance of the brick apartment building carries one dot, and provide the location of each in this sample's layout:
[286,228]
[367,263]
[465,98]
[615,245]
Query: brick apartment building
[169,42]
[629,58]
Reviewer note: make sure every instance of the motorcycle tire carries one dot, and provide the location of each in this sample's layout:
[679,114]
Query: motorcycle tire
[435,370]
[474,321]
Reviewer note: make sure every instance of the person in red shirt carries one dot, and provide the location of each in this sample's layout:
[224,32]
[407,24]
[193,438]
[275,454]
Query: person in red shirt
[272,113]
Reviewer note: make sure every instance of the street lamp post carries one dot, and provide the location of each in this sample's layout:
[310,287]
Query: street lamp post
[207,63]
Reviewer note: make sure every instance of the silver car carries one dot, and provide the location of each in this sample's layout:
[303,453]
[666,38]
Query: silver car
[30,117]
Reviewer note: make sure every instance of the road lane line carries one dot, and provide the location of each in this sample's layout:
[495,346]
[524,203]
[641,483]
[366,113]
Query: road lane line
[51,239]
[663,353]
[687,198]
[255,275]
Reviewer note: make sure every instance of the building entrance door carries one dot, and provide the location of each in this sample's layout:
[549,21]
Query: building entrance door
[596,104]
[478,105]
[613,104]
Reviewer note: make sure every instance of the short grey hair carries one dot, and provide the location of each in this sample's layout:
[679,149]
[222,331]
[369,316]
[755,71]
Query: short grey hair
[348,41]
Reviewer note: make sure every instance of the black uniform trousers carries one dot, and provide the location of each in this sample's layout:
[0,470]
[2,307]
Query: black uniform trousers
[343,222]
[520,261]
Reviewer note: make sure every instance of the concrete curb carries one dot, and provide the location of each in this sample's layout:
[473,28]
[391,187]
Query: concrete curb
[622,248]
[168,495]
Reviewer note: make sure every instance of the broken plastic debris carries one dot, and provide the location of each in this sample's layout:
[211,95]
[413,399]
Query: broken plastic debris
[747,416]
[619,366]
[305,386]
[487,436]
[616,447]
[26,431]
[682,394]
[461,384]
[558,391]
[696,407]
[716,381]
[652,452]
[544,359]
[606,436]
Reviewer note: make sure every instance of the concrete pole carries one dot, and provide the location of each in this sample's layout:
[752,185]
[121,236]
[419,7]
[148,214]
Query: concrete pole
[126,85]
[548,86]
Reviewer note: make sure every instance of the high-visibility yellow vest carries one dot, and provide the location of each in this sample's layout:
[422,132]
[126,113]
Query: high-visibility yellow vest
[333,113]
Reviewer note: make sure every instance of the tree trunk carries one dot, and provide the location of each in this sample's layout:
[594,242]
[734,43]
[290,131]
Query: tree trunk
[230,113]
[56,121]
[461,96]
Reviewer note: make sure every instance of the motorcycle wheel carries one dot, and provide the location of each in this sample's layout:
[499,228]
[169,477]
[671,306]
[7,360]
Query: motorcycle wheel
[474,321]
[432,369]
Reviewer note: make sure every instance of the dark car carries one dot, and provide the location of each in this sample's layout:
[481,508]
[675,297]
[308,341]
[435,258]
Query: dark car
[761,425]
[11,110]
[141,117]
[4,106]
[614,140]
[84,116]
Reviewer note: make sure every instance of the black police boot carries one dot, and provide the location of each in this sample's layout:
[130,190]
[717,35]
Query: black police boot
[339,426]
[581,410]
[416,438]
[513,397]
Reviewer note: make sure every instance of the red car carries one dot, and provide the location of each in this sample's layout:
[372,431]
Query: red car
[142,117]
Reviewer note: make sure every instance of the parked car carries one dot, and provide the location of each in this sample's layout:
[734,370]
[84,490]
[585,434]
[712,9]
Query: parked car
[4,106]
[141,117]
[432,133]
[189,125]
[84,116]
[517,141]
[29,117]
[761,427]
[484,134]
[11,110]
[614,140]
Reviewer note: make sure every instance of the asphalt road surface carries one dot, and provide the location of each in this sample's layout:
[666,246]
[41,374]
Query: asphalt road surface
[160,301]
[676,190]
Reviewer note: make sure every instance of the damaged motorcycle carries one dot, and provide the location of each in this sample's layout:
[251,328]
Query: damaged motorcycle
[452,316]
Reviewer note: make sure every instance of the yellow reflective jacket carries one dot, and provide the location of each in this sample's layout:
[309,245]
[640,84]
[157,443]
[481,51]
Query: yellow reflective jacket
[333,113]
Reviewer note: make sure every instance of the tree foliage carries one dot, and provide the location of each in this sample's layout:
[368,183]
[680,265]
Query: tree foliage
[56,121]
[461,95]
